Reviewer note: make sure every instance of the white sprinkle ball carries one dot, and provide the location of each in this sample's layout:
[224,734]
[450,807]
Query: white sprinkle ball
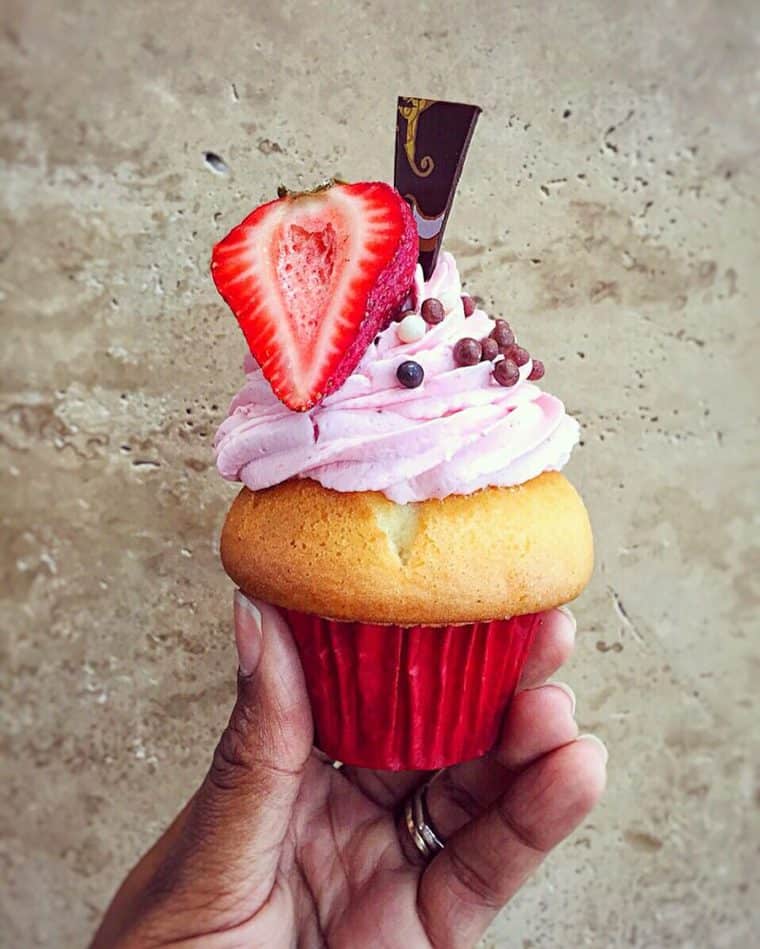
[411,328]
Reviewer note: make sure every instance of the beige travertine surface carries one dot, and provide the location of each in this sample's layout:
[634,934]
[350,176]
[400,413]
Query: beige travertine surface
[609,207]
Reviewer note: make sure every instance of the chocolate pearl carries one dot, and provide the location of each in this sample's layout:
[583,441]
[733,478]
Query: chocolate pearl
[505,372]
[403,315]
[467,352]
[469,305]
[502,333]
[490,349]
[433,311]
[410,374]
[516,353]
[537,370]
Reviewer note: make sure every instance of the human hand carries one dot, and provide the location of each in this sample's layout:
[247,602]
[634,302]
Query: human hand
[280,848]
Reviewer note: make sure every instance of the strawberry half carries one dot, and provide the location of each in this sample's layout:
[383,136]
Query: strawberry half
[313,277]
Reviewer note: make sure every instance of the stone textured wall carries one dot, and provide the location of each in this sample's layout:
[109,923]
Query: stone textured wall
[609,207]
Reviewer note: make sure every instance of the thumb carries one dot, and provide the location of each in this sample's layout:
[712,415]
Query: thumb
[239,817]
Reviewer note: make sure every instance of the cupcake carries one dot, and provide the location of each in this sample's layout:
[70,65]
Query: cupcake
[402,500]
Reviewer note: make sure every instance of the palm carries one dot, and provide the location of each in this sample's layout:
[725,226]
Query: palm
[343,878]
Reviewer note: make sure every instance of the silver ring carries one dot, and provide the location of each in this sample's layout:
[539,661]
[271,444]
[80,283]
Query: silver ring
[417,822]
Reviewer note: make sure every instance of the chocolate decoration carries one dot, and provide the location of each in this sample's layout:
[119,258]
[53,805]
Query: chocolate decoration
[432,138]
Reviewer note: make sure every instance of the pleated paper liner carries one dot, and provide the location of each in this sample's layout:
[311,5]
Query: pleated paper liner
[410,698]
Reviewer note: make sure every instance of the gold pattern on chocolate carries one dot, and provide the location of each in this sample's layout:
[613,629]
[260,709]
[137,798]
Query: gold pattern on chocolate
[411,109]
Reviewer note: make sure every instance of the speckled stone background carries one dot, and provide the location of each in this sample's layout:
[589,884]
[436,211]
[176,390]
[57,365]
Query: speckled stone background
[609,207]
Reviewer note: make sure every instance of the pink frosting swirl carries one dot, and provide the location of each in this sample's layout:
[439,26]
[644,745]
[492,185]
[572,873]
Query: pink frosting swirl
[458,432]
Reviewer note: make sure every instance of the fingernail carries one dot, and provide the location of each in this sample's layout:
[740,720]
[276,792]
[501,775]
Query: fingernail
[563,687]
[247,633]
[566,611]
[598,742]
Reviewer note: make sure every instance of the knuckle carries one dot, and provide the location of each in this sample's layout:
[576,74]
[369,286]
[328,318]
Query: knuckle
[231,762]
[474,881]
[527,836]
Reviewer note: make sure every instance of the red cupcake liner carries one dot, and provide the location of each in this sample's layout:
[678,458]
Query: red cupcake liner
[409,698]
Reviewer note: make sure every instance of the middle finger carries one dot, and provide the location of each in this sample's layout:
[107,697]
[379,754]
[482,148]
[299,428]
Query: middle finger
[539,721]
